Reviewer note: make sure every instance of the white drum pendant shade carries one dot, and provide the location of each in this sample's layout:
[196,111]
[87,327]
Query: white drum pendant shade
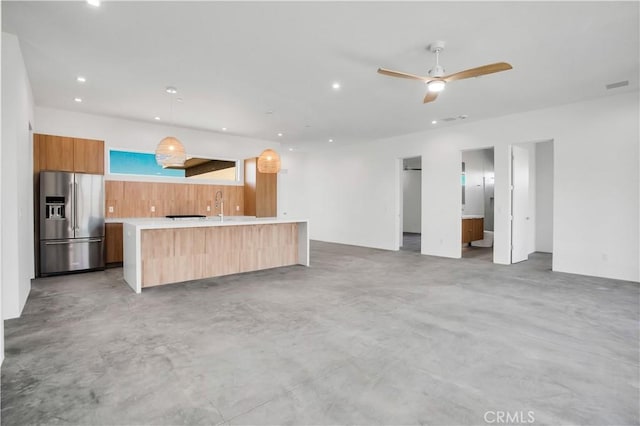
[269,162]
[170,153]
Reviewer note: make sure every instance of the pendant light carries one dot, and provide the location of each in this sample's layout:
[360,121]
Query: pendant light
[170,151]
[269,162]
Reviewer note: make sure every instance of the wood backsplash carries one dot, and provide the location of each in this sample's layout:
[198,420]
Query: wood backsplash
[135,199]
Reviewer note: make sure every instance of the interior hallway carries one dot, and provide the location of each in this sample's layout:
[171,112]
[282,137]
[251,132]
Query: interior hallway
[362,336]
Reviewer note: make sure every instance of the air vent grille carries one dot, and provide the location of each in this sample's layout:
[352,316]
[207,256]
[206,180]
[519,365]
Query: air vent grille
[450,119]
[618,84]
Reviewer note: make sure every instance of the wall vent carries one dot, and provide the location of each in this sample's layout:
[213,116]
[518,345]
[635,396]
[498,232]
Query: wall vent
[618,84]
[450,119]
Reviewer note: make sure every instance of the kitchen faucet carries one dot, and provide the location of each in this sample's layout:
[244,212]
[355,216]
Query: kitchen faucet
[220,203]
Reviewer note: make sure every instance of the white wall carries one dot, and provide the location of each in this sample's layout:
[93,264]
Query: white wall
[349,191]
[411,201]
[544,197]
[17,180]
[595,187]
[292,186]
[1,227]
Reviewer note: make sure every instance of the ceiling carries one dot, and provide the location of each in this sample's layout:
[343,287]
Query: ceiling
[263,68]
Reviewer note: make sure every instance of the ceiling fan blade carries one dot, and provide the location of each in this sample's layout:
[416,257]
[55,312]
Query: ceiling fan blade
[392,73]
[476,72]
[430,97]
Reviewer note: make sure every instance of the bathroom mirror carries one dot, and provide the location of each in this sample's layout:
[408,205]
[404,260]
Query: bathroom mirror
[463,181]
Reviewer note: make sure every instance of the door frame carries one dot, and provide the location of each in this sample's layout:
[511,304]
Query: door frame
[399,210]
[481,148]
[553,188]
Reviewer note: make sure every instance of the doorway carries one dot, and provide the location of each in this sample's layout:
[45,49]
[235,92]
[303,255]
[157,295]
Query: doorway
[532,178]
[477,187]
[411,215]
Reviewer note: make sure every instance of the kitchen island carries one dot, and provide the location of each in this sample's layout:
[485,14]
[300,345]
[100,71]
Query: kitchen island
[162,251]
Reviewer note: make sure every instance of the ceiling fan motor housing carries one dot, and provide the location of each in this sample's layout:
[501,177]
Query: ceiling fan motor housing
[436,71]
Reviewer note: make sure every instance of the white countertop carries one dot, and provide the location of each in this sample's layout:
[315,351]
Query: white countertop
[136,219]
[162,222]
[472,216]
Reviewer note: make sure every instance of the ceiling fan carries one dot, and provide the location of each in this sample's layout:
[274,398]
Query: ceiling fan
[436,80]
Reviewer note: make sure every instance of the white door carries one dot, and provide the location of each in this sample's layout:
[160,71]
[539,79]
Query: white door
[399,212]
[519,204]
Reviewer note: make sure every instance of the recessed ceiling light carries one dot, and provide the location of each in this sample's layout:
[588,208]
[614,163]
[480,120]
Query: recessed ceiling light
[172,90]
[156,118]
[463,117]
[77,99]
[95,3]
[81,79]
[280,134]
[330,140]
[179,100]
[224,129]
[290,149]
[335,85]
[434,122]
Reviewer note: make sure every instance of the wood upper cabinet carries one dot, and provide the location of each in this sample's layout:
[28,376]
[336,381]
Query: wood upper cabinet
[88,156]
[260,191]
[472,230]
[56,152]
[67,154]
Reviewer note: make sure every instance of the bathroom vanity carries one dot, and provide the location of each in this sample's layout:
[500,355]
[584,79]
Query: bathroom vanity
[163,251]
[472,228]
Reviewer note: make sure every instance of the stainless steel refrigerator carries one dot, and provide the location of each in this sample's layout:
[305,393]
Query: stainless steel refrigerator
[71,222]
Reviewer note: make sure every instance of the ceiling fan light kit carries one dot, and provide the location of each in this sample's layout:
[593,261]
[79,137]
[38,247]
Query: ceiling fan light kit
[436,80]
[436,85]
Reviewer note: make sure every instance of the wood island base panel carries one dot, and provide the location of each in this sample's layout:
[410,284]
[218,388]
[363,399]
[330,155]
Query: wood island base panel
[158,252]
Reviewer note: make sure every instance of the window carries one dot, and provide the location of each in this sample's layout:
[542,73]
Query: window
[144,164]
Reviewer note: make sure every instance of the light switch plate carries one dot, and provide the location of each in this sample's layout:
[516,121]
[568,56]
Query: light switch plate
[153,209]
[110,209]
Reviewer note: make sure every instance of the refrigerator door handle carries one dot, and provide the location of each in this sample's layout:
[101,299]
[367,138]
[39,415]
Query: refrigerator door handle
[72,215]
[75,241]
[75,204]
[57,243]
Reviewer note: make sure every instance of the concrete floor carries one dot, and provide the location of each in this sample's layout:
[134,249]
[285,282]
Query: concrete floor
[411,242]
[364,336]
[480,253]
